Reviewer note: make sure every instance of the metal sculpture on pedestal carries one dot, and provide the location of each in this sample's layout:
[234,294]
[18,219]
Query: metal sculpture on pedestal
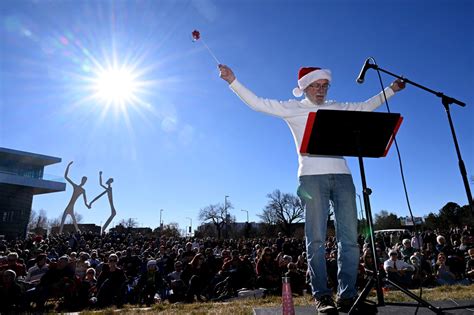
[78,190]
[108,191]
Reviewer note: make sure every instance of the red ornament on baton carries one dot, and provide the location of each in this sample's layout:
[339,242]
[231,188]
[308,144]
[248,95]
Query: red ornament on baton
[197,36]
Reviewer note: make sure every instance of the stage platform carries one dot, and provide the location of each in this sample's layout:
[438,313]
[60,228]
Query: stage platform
[389,309]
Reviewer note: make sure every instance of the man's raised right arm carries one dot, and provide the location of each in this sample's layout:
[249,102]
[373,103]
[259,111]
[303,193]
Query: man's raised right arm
[269,106]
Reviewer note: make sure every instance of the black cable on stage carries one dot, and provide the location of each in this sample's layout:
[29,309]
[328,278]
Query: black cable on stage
[417,232]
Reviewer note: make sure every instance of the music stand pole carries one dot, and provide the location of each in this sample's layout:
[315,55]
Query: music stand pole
[446,101]
[376,278]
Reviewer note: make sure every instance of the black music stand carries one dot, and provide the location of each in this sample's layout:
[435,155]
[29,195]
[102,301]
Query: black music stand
[360,134]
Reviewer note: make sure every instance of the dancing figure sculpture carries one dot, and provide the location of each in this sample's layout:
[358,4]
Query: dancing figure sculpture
[108,191]
[78,190]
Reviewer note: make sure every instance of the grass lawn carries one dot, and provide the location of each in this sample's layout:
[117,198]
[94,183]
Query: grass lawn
[246,307]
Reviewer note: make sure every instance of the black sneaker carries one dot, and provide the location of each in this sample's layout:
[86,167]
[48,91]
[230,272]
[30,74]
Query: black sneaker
[325,304]
[344,305]
[363,308]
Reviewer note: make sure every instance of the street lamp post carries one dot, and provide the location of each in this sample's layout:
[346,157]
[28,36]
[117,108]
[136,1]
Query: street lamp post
[225,208]
[161,222]
[247,214]
[225,214]
[190,226]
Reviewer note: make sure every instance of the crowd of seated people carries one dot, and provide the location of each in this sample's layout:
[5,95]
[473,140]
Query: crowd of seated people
[84,270]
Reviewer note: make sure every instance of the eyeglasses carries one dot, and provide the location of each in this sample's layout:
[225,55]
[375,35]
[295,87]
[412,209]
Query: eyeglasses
[318,86]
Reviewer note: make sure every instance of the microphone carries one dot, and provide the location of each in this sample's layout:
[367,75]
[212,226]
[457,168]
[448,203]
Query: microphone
[361,77]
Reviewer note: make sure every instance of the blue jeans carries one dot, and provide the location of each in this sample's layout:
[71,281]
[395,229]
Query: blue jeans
[315,192]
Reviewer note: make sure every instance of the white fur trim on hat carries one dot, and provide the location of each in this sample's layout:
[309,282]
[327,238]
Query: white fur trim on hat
[297,92]
[310,78]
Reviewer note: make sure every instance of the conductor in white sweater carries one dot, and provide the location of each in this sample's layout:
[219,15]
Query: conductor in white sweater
[322,179]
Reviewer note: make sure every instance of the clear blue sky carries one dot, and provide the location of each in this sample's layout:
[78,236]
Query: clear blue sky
[189,141]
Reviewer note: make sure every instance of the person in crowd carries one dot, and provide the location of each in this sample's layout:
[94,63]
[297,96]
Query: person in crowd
[151,286]
[82,264]
[283,261]
[470,266]
[429,253]
[86,294]
[11,293]
[194,276]
[94,261]
[164,262]
[53,255]
[249,276]
[397,270]
[188,253]
[382,256]
[297,280]
[331,267]
[177,286]
[302,262]
[36,272]
[423,274]
[58,281]
[73,260]
[111,284]
[268,275]
[366,268]
[465,246]
[417,241]
[238,270]
[443,274]
[406,250]
[130,263]
[14,264]
[442,246]
[279,242]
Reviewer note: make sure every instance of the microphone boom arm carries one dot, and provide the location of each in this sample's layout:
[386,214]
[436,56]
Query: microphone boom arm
[445,99]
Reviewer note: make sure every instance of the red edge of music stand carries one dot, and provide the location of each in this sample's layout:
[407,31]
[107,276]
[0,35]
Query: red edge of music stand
[399,122]
[307,132]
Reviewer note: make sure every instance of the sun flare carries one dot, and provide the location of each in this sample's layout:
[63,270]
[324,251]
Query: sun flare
[116,86]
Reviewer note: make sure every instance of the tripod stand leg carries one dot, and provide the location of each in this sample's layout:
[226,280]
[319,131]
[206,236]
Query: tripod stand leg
[431,307]
[356,307]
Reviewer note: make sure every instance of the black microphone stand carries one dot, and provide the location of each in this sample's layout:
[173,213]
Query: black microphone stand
[446,101]
[378,277]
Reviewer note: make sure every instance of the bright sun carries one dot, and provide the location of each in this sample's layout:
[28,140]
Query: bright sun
[116,86]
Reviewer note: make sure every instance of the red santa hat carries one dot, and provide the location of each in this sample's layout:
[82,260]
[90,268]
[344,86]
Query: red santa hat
[308,75]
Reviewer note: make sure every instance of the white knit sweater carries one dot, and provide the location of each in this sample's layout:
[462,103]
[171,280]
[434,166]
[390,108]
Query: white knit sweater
[295,113]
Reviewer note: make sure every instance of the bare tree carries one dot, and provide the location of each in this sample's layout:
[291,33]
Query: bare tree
[216,214]
[56,222]
[169,230]
[283,209]
[37,220]
[129,223]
